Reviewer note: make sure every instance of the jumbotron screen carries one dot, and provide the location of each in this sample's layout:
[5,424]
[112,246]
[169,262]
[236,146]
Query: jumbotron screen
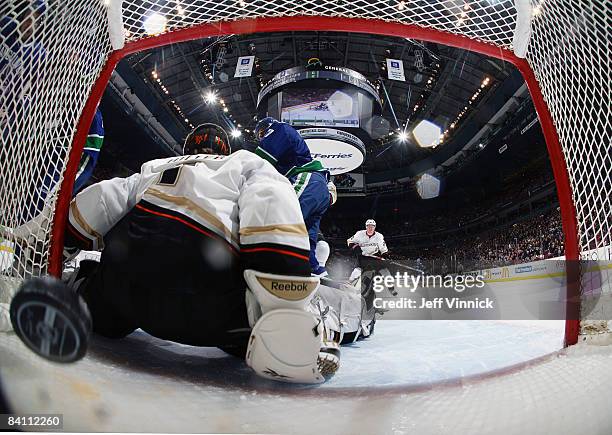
[320,107]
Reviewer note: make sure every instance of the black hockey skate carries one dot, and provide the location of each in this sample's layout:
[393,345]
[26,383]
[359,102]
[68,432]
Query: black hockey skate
[51,319]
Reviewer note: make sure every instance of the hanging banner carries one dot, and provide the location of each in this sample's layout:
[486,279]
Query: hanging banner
[244,66]
[395,70]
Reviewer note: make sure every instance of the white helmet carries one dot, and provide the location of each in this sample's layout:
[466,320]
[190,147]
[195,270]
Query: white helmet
[370,222]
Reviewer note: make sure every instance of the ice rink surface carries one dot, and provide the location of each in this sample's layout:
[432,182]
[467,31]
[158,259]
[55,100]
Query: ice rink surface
[417,376]
[422,352]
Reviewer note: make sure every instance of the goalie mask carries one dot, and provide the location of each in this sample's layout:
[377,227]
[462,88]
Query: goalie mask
[207,138]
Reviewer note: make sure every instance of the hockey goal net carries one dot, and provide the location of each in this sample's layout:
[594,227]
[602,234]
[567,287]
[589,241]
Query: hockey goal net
[56,58]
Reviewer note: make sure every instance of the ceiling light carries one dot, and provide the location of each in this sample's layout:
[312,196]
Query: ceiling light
[210,97]
[537,10]
[426,133]
[428,186]
[155,24]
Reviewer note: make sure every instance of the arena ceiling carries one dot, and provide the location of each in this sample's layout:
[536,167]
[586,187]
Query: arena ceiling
[440,83]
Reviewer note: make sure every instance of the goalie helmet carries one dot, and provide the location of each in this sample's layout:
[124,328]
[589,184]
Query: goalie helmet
[207,138]
[370,222]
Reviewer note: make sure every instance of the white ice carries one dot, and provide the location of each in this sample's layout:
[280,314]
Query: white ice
[419,376]
[416,352]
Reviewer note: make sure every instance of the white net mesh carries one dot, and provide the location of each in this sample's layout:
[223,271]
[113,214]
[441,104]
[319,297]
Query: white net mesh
[489,21]
[570,55]
[53,52]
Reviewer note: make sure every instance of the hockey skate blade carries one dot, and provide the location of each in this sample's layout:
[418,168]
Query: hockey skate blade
[328,361]
[51,319]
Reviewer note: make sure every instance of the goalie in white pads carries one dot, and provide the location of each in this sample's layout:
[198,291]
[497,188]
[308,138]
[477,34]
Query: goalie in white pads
[206,249]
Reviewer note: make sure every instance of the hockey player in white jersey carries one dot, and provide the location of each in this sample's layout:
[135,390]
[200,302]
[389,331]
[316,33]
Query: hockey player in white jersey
[369,240]
[340,305]
[370,246]
[206,249]
[367,243]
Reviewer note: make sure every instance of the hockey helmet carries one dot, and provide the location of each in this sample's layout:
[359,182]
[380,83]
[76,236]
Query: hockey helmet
[370,222]
[262,127]
[207,138]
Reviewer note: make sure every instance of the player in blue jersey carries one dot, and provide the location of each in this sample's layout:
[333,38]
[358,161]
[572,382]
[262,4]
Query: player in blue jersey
[91,152]
[282,145]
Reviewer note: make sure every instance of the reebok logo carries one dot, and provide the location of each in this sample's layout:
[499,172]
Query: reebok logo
[288,290]
[289,286]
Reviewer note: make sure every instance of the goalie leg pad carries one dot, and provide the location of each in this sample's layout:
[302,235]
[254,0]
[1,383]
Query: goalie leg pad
[281,291]
[285,346]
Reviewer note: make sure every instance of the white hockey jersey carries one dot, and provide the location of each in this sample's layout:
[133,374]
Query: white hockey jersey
[370,245]
[240,197]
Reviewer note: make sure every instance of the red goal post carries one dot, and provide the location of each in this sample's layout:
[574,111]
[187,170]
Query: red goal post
[85,40]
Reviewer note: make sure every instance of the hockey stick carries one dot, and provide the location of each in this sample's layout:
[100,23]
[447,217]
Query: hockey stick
[395,263]
[338,285]
[331,283]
